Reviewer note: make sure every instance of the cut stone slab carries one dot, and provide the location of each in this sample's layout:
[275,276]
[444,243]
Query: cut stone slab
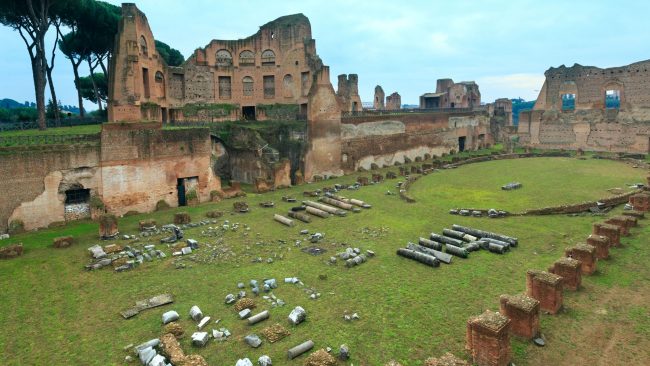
[204,322]
[244,362]
[146,355]
[169,317]
[253,340]
[244,313]
[539,342]
[199,339]
[297,315]
[157,360]
[264,361]
[158,300]
[230,298]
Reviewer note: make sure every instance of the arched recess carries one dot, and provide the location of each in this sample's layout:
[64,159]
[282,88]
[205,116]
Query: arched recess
[287,86]
[268,58]
[143,46]
[613,94]
[247,58]
[160,83]
[224,58]
[568,95]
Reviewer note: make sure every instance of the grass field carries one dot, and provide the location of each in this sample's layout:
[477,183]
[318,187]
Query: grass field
[54,313]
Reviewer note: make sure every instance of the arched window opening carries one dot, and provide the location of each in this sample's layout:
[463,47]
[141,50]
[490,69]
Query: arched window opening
[247,58]
[160,78]
[613,99]
[224,58]
[247,86]
[287,86]
[268,58]
[568,102]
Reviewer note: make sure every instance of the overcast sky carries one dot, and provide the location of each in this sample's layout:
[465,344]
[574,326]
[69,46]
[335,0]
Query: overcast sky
[404,46]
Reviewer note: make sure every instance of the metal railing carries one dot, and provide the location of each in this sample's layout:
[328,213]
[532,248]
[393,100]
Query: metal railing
[34,140]
[32,125]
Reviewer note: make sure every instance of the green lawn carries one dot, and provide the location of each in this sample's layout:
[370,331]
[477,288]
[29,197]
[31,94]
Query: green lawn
[75,130]
[53,312]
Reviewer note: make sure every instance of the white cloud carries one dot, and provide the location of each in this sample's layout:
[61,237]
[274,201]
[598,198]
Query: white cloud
[510,85]
[440,44]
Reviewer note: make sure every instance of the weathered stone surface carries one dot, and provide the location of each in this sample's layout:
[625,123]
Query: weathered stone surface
[244,362]
[108,226]
[253,340]
[264,361]
[11,251]
[586,254]
[610,231]
[181,218]
[601,243]
[447,359]
[155,301]
[320,358]
[200,339]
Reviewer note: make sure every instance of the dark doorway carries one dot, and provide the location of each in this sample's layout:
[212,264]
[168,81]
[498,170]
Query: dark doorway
[453,105]
[145,82]
[248,113]
[163,111]
[461,143]
[182,201]
[75,196]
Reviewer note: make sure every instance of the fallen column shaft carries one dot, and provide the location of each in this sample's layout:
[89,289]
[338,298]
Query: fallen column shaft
[300,216]
[443,257]
[446,240]
[430,244]
[486,234]
[326,208]
[283,220]
[427,259]
[300,349]
[457,251]
[459,235]
[337,203]
[316,212]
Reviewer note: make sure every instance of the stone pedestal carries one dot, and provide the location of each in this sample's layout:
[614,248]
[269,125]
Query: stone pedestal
[488,339]
[601,243]
[622,224]
[640,202]
[108,226]
[523,312]
[63,242]
[570,271]
[181,218]
[586,254]
[634,213]
[546,288]
[610,231]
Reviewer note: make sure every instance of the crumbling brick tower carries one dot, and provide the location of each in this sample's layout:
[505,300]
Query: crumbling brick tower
[348,93]
[523,312]
[488,339]
[546,288]
[380,96]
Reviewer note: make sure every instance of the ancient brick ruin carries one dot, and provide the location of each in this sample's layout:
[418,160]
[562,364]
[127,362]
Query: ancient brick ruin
[488,339]
[613,233]
[452,95]
[546,288]
[589,108]
[601,245]
[523,312]
[570,271]
[586,254]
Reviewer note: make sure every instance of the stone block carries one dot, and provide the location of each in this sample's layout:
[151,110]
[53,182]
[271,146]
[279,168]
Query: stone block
[377,178]
[182,218]
[570,271]
[363,181]
[587,256]
[63,241]
[634,213]
[546,288]
[621,224]
[523,312]
[108,226]
[11,251]
[640,201]
[488,339]
[610,231]
[148,224]
[601,243]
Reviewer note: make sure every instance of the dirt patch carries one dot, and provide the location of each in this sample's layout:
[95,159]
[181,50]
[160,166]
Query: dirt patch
[320,358]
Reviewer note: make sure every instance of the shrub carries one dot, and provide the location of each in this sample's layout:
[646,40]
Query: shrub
[162,205]
[16,227]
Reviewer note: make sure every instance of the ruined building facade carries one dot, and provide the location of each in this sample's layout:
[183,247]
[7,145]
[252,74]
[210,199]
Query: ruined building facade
[378,101]
[452,95]
[394,102]
[227,79]
[589,108]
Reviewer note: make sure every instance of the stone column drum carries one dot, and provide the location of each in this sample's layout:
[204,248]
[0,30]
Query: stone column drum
[488,339]
[546,288]
[523,312]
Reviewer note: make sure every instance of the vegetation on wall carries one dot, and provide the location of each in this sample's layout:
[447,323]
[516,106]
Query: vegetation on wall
[279,111]
[209,109]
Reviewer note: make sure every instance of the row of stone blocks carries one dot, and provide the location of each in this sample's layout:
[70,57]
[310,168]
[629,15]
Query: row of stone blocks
[488,335]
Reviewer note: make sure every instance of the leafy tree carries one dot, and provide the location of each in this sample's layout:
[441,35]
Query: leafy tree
[94,87]
[172,56]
